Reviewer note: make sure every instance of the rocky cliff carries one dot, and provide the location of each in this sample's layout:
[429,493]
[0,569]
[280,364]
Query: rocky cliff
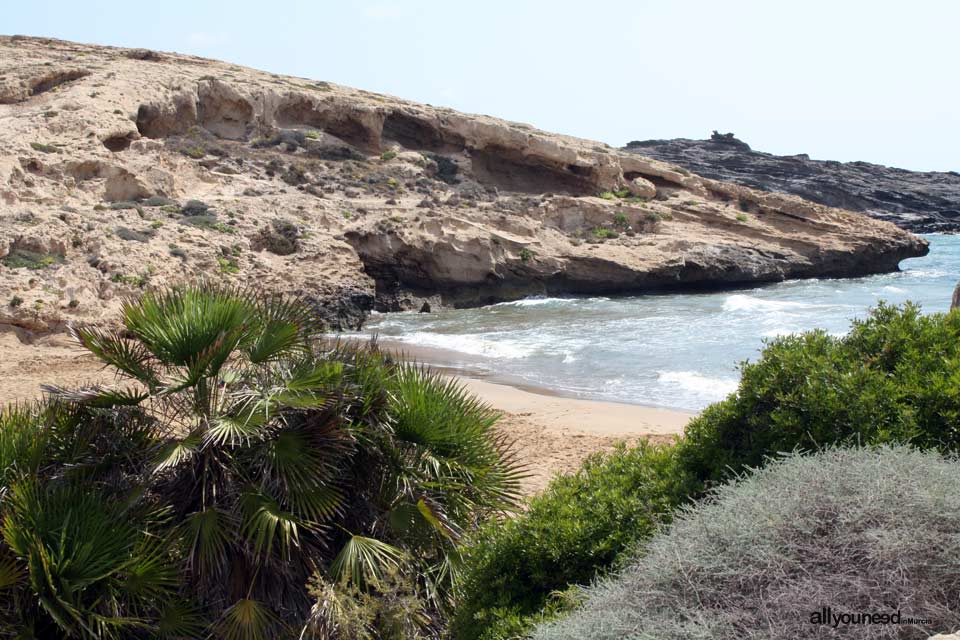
[922,202]
[123,169]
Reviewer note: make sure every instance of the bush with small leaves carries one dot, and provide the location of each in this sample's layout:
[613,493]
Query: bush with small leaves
[578,525]
[860,531]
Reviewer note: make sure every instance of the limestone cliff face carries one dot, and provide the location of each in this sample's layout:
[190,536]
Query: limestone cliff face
[123,169]
[919,201]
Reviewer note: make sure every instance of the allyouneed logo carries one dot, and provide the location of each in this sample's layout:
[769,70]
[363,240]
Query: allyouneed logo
[827,616]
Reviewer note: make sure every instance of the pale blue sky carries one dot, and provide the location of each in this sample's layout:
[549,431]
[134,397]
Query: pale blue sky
[867,80]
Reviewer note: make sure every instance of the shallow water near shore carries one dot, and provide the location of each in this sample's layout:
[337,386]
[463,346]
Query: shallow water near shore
[678,350]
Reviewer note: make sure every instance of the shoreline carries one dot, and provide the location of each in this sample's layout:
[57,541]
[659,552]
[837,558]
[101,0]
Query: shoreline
[471,367]
[551,433]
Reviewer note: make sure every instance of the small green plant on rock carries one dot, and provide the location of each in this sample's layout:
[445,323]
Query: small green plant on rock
[15,301]
[228,265]
[603,233]
[44,148]
[26,259]
[526,255]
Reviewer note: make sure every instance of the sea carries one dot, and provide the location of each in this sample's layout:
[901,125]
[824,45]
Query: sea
[678,350]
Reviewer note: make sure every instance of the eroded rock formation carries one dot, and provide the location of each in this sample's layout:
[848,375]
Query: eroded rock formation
[922,202]
[125,169]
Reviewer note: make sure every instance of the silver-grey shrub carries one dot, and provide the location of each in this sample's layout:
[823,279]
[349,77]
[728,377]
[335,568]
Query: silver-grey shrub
[859,530]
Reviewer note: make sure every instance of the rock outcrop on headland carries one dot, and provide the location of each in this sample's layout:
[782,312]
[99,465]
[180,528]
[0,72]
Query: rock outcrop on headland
[922,202]
[123,169]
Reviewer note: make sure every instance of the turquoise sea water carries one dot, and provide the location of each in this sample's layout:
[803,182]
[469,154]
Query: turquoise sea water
[679,350]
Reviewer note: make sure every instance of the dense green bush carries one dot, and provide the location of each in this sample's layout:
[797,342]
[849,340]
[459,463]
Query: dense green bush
[856,530]
[894,378]
[581,523]
[237,458]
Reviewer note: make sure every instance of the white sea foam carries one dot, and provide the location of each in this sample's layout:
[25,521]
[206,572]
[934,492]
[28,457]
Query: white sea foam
[486,345]
[741,302]
[532,302]
[691,381]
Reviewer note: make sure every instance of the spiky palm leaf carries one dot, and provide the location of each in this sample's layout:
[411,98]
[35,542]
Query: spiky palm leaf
[248,619]
[364,561]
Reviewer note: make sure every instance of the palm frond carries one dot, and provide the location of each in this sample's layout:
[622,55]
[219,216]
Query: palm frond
[208,535]
[267,526]
[177,451]
[287,326]
[12,571]
[96,395]
[180,620]
[23,441]
[129,356]
[304,466]
[364,560]
[248,619]
[235,430]
[177,325]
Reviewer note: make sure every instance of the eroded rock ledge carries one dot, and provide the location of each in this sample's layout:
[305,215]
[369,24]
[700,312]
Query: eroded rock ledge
[124,169]
[920,201]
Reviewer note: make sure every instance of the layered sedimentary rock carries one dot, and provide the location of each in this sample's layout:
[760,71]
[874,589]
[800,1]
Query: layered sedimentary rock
[126,169]
[918,201]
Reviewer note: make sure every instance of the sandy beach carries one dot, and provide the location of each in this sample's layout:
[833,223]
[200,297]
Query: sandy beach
[552,433]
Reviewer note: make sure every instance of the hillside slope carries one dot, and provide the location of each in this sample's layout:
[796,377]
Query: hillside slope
[122,169]
[921,202]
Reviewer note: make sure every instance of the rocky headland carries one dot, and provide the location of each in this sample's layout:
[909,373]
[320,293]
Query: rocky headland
[123,169]
[922,202]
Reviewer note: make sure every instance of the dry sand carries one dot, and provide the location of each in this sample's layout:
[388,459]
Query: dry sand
[553,434]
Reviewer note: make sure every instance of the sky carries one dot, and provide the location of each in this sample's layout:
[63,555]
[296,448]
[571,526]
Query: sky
[841,80]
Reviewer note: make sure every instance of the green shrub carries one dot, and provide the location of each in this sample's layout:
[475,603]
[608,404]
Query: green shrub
[45,148]
[386,156]
[857,530]
[208,222]
[228,265]
[15,301]
[894,378]
[581,523]
[130,235]
[158,201]
[195,152]
[526,255]
[603,233]
[607,195]
[742,217]
[27,259]
[281,237]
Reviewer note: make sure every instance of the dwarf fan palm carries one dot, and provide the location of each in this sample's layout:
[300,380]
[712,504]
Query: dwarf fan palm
[255,455]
